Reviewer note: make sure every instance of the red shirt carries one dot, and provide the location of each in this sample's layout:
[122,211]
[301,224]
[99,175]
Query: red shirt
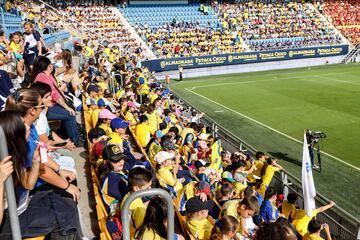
[49,80]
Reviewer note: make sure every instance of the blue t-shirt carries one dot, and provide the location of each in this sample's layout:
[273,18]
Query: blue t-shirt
[33,138]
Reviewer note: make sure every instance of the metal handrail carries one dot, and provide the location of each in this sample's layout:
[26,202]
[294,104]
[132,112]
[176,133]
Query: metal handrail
[10,193]
[3,19]
[125,217]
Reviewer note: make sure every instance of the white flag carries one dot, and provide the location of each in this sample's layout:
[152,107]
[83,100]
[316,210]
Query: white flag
[307,179]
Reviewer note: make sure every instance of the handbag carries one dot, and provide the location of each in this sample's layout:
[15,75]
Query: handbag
[68,100]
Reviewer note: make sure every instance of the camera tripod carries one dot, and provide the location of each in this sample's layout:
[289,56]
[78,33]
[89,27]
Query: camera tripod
[315,146]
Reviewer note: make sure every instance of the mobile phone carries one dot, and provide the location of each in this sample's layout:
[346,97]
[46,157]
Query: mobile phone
[60,144]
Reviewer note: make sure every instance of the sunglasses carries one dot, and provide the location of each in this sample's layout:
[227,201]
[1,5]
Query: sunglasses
[40,106]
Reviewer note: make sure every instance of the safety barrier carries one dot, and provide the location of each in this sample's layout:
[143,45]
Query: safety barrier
[151,192]
[51,39]
[10,22]
[10,192]
[342,224]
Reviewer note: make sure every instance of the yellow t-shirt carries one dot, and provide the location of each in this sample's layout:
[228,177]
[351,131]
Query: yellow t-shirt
[103,85]
[87,119]
[258,164]
[137,210]
[154,121]
[230,208]
[185,131]
[260,190]
[269,173]
[142,133]
[94,117]
[107,51]
[15,47]
[106,128]
[120,93]
[165,177]
[153,97]
[89,52]
[130,117]
[312,237]
[200,229]
[154,148]
[115,139]
[240,187]
[8,6]
[301,221]
[287,209]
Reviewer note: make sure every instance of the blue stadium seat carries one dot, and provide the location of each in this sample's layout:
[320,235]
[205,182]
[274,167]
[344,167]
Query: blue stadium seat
[159,14]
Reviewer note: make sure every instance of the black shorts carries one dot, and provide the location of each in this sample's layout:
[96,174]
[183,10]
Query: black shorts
[29,58]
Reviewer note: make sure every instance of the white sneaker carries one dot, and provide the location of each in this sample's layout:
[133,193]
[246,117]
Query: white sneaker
[315,166]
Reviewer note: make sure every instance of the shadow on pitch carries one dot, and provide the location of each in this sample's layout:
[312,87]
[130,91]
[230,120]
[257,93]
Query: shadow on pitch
[284,156]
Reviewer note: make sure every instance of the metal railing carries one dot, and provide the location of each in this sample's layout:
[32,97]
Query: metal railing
[352,55]
[10,192]
[125,212]
[343,225]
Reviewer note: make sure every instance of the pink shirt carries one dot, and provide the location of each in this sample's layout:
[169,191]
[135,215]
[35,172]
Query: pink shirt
[49,80]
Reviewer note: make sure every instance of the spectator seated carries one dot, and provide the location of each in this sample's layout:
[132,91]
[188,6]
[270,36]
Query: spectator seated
[345,15]
[187,39]
[276,25]
[101,22]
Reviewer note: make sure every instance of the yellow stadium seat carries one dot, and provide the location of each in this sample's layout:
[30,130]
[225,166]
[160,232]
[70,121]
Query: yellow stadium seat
[99,201]
[35,238]
[103,229]
[94,176]
[103,236]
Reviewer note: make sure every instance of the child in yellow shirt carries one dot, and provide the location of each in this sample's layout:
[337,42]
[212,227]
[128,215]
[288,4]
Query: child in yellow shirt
[138,179]
[198,223]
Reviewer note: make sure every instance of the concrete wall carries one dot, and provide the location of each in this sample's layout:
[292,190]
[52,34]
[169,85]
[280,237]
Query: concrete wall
[253,67]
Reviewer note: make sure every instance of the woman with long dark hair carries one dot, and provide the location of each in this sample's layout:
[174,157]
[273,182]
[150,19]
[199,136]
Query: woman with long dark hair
[43,72]
[25,174]
[29,105]
[155,222]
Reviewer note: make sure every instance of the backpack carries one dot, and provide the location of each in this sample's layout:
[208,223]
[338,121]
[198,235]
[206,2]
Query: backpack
[115,228]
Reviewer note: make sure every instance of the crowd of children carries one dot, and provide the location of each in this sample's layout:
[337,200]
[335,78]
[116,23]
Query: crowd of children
[139,137]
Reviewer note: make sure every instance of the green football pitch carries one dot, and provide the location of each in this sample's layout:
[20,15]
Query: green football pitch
[270,110]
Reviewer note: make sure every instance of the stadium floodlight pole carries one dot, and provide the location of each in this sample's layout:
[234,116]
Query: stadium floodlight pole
[10,193]
[125,215]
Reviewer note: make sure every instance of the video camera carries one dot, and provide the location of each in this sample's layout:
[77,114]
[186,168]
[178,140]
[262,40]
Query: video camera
[314,137]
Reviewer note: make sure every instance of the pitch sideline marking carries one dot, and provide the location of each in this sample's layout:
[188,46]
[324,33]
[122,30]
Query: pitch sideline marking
[274,78]
[270,128]
[245,82]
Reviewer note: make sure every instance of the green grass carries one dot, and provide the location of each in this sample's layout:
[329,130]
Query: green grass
[290,101]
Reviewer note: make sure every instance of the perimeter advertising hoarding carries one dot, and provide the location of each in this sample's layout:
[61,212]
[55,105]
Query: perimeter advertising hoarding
[159,65]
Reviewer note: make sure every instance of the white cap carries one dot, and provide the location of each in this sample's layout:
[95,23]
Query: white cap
[163,156]
[202,136]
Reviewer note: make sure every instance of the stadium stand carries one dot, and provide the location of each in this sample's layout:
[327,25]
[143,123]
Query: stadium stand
[345,16]
[186,31]
[189,40]
[277,25]
[182,30]
[13,23]
[138,135]
[158,15]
